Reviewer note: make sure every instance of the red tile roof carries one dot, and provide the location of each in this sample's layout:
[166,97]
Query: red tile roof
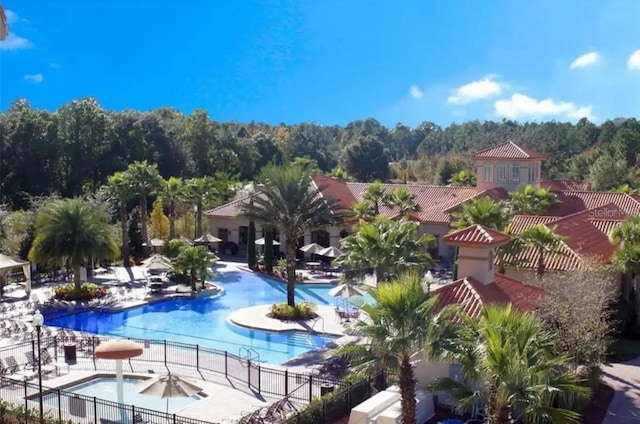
[570,202]
[565,185]
[229,210]
[508,150]
[521,223]
[335,189]
[476,235]
[472,295]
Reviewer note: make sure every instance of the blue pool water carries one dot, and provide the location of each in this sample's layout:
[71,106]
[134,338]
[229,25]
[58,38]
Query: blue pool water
[203,321]
[105,388]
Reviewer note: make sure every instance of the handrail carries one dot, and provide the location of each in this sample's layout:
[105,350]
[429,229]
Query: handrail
[312,328]
[248,357]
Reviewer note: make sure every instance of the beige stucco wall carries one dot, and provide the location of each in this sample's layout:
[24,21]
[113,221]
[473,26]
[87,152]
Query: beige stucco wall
[477,263]
[439,230]
[427,371]
[526,177]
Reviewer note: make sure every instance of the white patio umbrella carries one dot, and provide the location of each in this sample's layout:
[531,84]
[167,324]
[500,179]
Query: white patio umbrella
[207,238]
[156,258]
[157,266]
[260,242]
[154,242]
[330,252]
[311,248]
[167,387]
[347,291]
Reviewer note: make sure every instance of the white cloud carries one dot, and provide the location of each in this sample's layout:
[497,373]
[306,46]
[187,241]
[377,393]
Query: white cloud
[585,60]
[12,17]
[522,106]
[477,90]
[415,92]
[35,78]
[634,61]
[15,42]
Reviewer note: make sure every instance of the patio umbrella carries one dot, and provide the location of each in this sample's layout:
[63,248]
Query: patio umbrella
[260,242]
[330,252]
[186,240]
[156,242]
[156,258]
[311,248]
[167,387]
[347,291]
[157,266]
[207,238]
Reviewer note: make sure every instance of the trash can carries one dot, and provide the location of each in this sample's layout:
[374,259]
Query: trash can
[70,353]
[326,388]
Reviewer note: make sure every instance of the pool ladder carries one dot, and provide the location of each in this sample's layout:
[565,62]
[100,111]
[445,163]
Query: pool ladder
[313,326]
[248,354]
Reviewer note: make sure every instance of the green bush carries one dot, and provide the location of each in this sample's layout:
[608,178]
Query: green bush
[300,312]
[11,414]
[88,291]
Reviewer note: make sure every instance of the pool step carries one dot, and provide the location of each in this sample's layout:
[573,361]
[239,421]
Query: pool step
[304,340]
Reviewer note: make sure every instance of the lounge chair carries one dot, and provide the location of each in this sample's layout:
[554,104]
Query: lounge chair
[17,372]
[33,364]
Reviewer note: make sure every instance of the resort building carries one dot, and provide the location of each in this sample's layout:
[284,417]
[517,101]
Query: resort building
[584,218]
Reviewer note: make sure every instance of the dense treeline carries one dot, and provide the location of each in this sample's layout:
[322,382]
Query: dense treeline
[73,150]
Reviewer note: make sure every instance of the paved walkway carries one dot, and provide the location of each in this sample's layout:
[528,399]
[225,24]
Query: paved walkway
[625,380]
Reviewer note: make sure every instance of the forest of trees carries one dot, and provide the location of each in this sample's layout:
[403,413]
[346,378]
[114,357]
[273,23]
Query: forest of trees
[73,150]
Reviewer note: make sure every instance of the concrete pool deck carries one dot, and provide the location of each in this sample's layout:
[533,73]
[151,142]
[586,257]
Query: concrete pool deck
[255,317]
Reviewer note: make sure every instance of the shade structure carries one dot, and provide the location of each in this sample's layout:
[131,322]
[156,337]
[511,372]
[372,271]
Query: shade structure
[311,248]
[207,238]
[359,301]
[7,263]
[260,242]
[156,258]
[168,386]
[347,291]
[154,242]
[330,252]
[157,266]
[119,350]
[186,240]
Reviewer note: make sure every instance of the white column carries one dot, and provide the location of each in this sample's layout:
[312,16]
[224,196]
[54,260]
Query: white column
[119,381]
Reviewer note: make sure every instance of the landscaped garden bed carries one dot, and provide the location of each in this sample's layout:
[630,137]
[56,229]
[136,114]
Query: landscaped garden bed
[86,292]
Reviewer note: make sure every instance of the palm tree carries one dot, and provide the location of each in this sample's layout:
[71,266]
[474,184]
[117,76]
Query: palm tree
[172,193]
[145,181]
[396,326]
[403,200]
[201,191]
[544,241]
[289,204]
[119,188]
[463,178]
[375,195]
[72,230]
[483,211]
[385,247]
[195,262]
[362,210]
[510,365]
[531,200]
[626,236]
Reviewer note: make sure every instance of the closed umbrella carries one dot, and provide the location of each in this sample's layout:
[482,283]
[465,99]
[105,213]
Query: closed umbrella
[167,387]
[260,242]
[330,252]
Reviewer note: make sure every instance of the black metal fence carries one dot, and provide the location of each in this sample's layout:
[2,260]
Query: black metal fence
[160,356]
[63,406]
[330,408]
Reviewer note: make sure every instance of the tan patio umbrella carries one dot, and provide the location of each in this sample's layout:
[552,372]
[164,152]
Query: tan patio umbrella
[347,291]
[156,258]
[167,387]
[207,239]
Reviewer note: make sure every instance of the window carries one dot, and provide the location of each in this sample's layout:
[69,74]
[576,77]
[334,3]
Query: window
[488,172]
[534,173]
[502,173]
[515,173]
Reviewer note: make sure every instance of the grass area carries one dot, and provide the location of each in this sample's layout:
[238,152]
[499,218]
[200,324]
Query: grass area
[623,350]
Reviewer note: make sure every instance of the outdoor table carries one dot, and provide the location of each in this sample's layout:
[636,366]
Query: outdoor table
[313,266]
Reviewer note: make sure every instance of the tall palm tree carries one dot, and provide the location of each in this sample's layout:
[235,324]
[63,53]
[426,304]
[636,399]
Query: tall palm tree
[397,325]
[385,247]
[172,193]
[531,200]
[403,200]
[376,194]
[119,188]
[362,210]
[289,204]
[145,181]
[201,191]
[195,262]
[510,365]
[626,236]
[544,241]
[74,231]
[484,211]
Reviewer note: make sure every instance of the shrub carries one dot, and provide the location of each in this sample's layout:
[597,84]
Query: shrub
[88,291]
[300,312]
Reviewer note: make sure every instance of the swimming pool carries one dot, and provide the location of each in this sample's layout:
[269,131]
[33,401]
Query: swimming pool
[104,388]
[203,320]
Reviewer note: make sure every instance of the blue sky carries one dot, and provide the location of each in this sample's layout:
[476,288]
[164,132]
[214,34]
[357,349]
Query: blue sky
[329,61]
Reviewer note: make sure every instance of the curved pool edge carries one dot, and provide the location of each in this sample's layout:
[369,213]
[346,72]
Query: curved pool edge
[255,318]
